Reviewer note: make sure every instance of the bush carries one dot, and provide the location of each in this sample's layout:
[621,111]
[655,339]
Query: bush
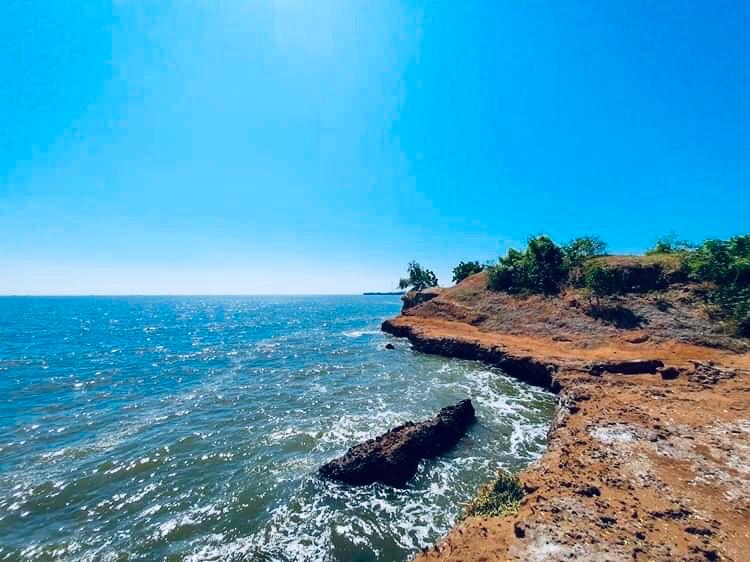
[579,250]
[464,269]
[419,278]
[726,265]
[539,269]
[546,265]
[496,498]
[720,262]
[669,245]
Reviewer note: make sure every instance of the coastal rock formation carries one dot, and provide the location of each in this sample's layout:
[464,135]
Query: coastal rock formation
[647,452]
[393,457]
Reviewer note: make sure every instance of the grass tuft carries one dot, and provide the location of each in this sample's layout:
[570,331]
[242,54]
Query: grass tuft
[496,498]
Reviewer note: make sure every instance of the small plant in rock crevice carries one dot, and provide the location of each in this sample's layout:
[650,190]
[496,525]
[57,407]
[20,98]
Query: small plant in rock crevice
[499,497]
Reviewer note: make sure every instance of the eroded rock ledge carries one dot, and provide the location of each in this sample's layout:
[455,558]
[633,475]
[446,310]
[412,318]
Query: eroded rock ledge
[523,367]
[393,458]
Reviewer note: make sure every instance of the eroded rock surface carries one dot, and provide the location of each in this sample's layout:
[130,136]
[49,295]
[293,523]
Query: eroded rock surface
[393,457]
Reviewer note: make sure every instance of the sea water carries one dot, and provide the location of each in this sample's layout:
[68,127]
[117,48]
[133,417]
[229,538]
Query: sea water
[192,428]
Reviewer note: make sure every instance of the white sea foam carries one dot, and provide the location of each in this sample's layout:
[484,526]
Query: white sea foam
[360,333]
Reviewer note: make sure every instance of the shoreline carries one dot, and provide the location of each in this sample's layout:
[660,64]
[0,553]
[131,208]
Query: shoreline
[641,466]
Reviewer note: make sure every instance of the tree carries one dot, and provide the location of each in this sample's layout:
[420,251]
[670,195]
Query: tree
[578,250]
[419,278]
[466,268]
[546,267]
[669,245]
[540,268]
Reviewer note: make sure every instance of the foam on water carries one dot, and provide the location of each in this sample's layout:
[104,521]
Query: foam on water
[192,429]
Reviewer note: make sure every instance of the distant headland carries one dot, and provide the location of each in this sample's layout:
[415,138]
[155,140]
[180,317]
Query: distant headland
[371,293]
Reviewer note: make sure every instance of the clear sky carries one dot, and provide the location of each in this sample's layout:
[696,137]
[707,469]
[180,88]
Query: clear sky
[282,146]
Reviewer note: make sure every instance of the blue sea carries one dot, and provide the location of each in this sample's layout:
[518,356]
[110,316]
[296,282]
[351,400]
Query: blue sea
[191,428]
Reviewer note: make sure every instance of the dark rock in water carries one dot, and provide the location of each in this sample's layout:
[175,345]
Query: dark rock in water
[390,346]
[393,457]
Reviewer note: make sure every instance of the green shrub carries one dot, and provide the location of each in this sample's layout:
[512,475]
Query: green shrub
[499,497]
[464,269]
[579,250]
[669,245]
[419,278]
[721,262]
[546,265]
[726,265]
[539,269]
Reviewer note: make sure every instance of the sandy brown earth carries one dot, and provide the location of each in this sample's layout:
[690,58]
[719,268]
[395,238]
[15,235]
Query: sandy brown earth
[647,466]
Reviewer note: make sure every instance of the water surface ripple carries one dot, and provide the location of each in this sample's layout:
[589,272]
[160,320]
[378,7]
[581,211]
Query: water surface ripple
[191,428]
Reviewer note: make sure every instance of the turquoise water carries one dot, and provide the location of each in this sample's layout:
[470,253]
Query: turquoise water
[191,428]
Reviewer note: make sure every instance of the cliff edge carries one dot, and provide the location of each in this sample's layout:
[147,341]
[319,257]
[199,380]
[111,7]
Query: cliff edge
[649,452]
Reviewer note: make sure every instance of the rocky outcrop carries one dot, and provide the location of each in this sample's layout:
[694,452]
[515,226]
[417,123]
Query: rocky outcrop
[414,298]
[393,457]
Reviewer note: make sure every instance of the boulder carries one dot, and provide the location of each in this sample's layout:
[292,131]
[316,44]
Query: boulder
[390,346]
[393,457]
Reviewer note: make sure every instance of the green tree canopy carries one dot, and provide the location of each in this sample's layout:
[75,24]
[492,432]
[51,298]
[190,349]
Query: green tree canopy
[669,245]
[578,250]
[541,268]
[419,278]
[466,268]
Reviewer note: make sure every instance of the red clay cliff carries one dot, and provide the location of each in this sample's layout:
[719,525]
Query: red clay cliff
[649,452]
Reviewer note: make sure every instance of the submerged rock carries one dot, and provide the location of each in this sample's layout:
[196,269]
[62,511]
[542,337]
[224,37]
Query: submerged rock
[393,458]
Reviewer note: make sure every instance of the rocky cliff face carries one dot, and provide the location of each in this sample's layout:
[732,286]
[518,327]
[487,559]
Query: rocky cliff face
[647,455]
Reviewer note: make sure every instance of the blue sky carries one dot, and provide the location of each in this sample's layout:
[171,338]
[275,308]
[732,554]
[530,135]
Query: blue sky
[316,147]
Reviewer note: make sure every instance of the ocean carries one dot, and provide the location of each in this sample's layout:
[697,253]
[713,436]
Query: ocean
[192,428]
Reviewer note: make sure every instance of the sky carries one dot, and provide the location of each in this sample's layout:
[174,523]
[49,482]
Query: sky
[281,146]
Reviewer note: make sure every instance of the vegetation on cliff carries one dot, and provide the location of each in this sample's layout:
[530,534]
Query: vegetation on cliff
[722,264]
[720,267]
[545,267]
[499,497]
[466,268]
[418,278]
